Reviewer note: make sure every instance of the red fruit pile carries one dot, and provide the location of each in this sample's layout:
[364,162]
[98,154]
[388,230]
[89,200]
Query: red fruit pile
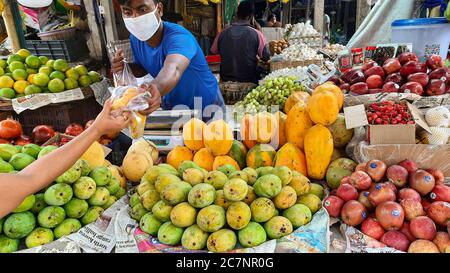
[402,206]
[404,74]
[388,112]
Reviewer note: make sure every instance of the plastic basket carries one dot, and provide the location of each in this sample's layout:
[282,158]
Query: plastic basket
[69,50]
[60,115]
[59,34]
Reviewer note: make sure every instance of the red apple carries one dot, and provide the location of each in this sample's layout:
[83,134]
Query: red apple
[347,192]
[442,240]
[436,88]
[391,66]
[361,167]
[336,80]
[22,140]
[397,175]
[391,186]
[410,68]
[333,205]
[374,81]
[345,87]
[360,180]
[425,203]
[42,134]
[439,211]
[407,231]
[368,65]
[407,57]
[438,176]
[396,239]
[376,169]
[408,193]
[422,227]
[423,246]
[372,228]
[394,77]
[74,129]
[440,193]
[419,77]
[353,213]
[360,88]
[353,76]
[439,74]
[363,198]
[345,180]
[412,87]
[422,182]
[391,87]
[380,194]
[412,209]
[390,215]
[376,70]
[434,62]
[409,165]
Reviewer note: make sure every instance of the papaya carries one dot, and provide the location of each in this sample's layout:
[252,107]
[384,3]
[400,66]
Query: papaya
[331,87]
[323,108]
[266,127]
[193,134]
[224,160]
[178,155]
[292,157]
[318,151]
[297,123]
[248,131]
[261,155]
[341,136]
[218,137]
[293,99]
[238,152]
[280,137]
[204,159]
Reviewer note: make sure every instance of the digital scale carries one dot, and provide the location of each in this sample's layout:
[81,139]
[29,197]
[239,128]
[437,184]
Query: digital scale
[165,128]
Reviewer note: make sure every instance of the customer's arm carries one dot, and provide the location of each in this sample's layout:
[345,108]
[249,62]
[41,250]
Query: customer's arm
[15,187]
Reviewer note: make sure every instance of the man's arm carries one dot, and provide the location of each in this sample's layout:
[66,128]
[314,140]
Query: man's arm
[15,187]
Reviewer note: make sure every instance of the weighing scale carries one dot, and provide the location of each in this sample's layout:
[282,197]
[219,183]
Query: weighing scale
[165,128]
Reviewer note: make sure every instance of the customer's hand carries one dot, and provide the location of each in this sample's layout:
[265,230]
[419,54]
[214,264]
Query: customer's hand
[155,101]
[110,122]
[117,62]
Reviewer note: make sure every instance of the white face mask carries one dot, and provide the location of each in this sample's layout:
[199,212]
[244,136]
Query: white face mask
[144,26]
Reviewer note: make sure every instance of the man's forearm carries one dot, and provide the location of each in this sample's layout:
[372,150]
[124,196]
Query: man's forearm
[168,78]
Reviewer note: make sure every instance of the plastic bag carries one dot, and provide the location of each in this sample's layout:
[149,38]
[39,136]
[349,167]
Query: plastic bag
[127,95]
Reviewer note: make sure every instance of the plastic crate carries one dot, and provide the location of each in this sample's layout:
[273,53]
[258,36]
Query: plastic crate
[69,50]
[60,115]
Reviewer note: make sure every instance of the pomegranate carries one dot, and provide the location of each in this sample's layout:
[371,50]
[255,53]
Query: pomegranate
[391,66]
[42,134]
[372,228]
[412,208]
[347,192]
[397,175]
[422,227]
[408,193]
[442,241]
[360,180]
[374,81]
[74,129]
[353,213]
[419,77]
[439,211]
[391,87]
[423,246]
[333,205]
[438,176]
[396,239]
[406,230]
[394,77]
[440,193]
[390,215]
[363,199]
[380,194]
[422,181]
[407,57]
[376,169]
[409,165]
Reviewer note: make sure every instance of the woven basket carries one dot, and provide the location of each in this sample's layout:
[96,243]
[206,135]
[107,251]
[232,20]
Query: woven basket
[233,92]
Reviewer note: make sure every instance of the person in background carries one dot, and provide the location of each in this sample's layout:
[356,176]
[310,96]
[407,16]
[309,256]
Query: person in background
[14,188]
[272,21]
[240,45]
[326,28]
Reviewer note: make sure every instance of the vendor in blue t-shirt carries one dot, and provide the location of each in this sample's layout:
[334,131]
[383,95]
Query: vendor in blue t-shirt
[170,54]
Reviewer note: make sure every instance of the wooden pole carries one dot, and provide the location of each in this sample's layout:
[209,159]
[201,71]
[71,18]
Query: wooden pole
[110,21]
[95,41]
[219,16]
[319,11]
[10,26]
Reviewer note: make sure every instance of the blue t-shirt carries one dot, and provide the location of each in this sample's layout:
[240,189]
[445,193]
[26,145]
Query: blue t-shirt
[196,81]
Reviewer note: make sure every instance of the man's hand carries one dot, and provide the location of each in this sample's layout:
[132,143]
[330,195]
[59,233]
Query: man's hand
[155,101]
[109,122]
[117,62]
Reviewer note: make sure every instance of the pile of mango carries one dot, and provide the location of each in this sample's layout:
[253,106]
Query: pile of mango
[75,199]
[216,210]
[24,74]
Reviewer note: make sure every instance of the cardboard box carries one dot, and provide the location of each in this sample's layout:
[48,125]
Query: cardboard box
[355,116]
